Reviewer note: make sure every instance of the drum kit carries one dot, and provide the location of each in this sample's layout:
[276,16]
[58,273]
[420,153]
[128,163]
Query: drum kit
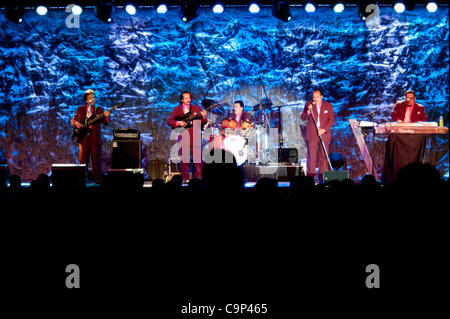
[248,142]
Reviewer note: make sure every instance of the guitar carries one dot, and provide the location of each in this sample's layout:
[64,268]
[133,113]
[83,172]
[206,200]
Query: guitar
[80,133]
[188,117]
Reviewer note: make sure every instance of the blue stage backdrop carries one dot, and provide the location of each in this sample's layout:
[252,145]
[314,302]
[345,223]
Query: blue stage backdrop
[146,60]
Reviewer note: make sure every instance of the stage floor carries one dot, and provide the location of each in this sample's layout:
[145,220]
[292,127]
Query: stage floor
[148,184]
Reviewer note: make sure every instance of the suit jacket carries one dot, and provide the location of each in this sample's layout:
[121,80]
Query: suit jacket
[178,112]
[326,121]
[80,116]
[417,115]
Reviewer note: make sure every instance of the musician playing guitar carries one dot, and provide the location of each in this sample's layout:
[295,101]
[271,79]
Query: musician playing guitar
[90,146]
[178,118]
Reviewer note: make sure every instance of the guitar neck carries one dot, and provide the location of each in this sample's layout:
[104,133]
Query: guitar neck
[195,115]
[90,122]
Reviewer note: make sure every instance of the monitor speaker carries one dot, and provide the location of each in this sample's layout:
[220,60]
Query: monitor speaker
[329,176]
[125,154]
[4,175]
[123,179]
[68,176]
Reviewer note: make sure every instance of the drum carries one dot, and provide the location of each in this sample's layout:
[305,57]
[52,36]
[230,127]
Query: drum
[236,145]
[229,123]
[248,132]
[158,168]
[247,124]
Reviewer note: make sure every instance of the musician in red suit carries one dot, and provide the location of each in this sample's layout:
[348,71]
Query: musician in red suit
[90,146]
[408,111]
[239,115]
[175,120]
[404,149]
[324,115]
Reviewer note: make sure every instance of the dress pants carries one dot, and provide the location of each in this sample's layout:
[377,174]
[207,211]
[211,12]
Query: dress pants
[89,149]
[316,158]
[188,153]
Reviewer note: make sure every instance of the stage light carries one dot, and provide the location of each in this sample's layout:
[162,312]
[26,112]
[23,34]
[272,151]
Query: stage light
[41,10]
[399,7]
[14,12]
[217,7]
[362,10]
[432,7]
[310,7]
[339,7]
[254,7]
[77,10]
[130,9]
[161,8]
[281,10]
[104,10]
[188,10]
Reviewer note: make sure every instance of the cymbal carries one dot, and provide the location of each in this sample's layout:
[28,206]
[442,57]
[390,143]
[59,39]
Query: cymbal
[262,105]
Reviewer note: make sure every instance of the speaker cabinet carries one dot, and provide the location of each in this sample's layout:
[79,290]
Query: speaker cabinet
[288,155]
[69,176]
[329,176]
[125,154]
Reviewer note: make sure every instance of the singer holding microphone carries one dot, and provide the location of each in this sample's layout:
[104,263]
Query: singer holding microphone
[404,149]
[324,116]
[90,146]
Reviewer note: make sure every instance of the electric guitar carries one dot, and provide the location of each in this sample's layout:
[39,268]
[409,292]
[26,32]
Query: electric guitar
[80,133]
[189,117]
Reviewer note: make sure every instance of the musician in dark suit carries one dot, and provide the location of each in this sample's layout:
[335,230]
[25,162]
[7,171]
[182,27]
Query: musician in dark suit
[324,115]
[175,120]
[90,146]
[404,149]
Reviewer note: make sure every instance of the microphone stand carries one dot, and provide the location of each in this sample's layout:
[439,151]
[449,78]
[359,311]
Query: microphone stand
[321,140]
[267,119]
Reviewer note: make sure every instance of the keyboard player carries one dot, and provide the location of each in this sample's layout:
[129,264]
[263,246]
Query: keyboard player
[404,149]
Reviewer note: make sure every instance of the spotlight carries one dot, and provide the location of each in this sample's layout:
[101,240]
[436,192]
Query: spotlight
[188,10]
[338,7]
[399,7]
[161,7]
[77,10]
[41,10]
[254,7]
[310,7]
[281,10]
[14,12]
[130,9]
[217,7]
[432,7]
[104,10]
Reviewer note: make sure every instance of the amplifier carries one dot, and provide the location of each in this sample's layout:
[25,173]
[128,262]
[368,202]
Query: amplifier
[125,154]
[288,155]
[126,134]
